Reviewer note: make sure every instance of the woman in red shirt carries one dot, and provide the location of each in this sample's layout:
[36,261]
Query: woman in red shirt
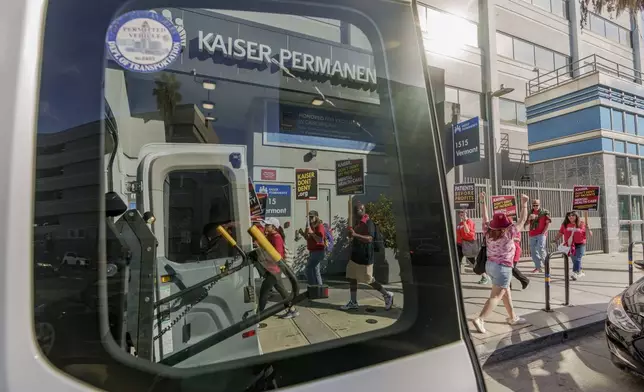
[573,231]
[273,278]
[466,231]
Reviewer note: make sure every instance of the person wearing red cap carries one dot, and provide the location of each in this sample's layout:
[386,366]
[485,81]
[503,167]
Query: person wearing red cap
[500,234]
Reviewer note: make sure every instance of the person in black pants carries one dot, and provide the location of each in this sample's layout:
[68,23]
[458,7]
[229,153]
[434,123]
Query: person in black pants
[515,271]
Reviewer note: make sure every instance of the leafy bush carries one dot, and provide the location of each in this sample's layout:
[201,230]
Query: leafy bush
[381,212]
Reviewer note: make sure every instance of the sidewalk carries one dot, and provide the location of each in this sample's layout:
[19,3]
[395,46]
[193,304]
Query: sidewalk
[606,276]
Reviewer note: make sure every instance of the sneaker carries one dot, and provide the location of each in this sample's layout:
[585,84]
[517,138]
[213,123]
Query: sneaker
[534,271]
[389,300]
[581,274]
[292,313]
[350,306]
[479,325]
[484,280]
[524,285]
[574,276]
[516,321]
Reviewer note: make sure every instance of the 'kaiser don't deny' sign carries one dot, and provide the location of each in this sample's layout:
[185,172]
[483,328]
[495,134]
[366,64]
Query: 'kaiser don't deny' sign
[306,183]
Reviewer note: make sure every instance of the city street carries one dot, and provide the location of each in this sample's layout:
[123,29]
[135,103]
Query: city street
[583,365]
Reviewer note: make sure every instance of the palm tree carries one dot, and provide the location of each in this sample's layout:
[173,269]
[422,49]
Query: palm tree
[168,97]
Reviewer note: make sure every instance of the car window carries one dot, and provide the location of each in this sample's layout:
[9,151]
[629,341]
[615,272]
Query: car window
[176,131]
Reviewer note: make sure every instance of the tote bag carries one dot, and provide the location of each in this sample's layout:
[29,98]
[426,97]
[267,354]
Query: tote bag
[481,259]
[470,248]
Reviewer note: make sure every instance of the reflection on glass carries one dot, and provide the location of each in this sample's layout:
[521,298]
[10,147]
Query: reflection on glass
[504,45]
[636,208]
[544,59]
[447,34]
[623,202]
[618,121]
[634,171]
[522,118]
[621,170]
[508,111]
[624,237]
[523,51]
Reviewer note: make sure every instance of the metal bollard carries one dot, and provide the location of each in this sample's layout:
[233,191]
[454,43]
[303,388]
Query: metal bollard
[630,260]
[566,279]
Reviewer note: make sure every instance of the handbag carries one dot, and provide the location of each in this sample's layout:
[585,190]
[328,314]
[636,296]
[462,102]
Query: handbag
[481,259]
[470,248]
[565,248]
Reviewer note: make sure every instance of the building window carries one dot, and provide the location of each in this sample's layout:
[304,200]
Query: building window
[512,112]
[619,146]
[470,102]
[622,170]
[631,148]
[610,30]
[634,171]
[437,25]
[618,121]
[623,202]
[629,123]
[640,125]
[529,53]
[557,7]
[636,208]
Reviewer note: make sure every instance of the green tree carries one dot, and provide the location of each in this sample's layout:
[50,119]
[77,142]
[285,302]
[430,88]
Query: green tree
[167,94]
[617,6]
[381,212]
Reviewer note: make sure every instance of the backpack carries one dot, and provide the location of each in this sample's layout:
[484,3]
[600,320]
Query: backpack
[328,239]
[378,241]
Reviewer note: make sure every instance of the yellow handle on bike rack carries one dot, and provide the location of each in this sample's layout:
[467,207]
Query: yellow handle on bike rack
[224,233]
[263,243]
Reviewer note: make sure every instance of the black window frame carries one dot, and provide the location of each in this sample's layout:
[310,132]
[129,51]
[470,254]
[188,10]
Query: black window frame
[436,286]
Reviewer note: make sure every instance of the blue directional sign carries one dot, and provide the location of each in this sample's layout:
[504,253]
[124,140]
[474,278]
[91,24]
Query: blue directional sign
[278,199]
[467,142]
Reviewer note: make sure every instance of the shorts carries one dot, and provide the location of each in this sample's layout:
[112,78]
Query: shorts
[501,275]
[360,272]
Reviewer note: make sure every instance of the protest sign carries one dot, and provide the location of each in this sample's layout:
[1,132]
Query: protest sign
[349,177]
[585,198]
[464,196]
[306,182]
[506,204]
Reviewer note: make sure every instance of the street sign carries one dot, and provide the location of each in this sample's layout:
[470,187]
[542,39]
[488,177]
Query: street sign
[467,142]
[278,201]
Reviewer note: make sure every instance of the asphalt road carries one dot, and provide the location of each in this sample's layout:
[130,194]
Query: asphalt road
[580,365]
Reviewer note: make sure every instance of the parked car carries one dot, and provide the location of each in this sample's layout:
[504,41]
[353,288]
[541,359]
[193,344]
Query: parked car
[72,258]
[625,329]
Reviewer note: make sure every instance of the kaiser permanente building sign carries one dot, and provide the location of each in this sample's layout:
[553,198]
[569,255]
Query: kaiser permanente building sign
[259,53]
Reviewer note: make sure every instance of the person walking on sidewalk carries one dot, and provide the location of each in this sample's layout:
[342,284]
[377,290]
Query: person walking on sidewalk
[500,233]
[273,277]
[466,237]
[314,235]
[360,267]
[573,231]
[539,221]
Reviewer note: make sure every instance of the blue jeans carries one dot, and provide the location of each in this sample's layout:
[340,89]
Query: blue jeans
[313,276]
[538,250]
[580,251]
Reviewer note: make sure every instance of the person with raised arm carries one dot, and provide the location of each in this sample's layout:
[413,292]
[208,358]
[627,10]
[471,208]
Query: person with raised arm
[500,233]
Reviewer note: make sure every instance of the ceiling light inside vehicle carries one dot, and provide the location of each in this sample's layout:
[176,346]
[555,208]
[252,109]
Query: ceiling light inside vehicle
[208,105]
[211,119]
[209,84]
[317,102]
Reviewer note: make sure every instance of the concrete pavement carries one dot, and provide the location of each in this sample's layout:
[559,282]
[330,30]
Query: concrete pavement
[582,365]
[606,276]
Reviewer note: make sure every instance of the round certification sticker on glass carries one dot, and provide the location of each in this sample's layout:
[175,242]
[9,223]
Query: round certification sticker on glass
[143,41]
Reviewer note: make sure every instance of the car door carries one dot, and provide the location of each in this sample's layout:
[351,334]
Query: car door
[292,82]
